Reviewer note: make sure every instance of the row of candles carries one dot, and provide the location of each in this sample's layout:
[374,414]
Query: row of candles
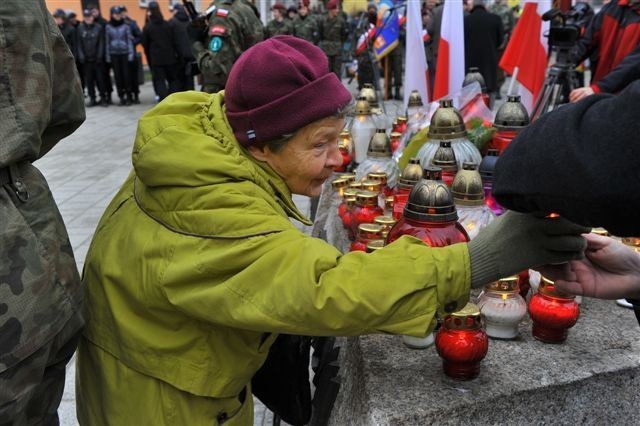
[447,201]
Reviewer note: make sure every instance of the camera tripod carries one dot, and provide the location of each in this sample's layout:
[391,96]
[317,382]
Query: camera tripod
[561,79]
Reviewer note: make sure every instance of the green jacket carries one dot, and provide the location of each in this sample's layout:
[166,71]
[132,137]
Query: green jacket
[306,28]
[333,33]
[195,267]
[275,28]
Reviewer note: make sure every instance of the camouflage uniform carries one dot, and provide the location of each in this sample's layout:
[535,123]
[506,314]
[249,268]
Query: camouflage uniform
[40,103]
[333,33]
[275,28]
[306,27]
[233,28]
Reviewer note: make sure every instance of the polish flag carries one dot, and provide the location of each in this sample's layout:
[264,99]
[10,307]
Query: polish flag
[526,53]
[415,76]
[450,66]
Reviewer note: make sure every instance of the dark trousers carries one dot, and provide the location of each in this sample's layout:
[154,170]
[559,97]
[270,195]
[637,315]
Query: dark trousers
[335,64]
[120,66]
[184,76]
[94,76]
[133,72]
[165,79]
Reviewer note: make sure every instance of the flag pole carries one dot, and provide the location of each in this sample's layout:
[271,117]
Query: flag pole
[513,80]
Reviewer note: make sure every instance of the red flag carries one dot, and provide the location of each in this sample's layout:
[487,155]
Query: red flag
[450,66]
[527,51]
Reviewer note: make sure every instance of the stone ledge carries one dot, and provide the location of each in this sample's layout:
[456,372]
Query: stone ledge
[593,378]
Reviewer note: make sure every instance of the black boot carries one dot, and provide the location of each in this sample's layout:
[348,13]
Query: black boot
[136,100]
[92,102]
[128,101]
[397,96]
[123,102]
[109,101]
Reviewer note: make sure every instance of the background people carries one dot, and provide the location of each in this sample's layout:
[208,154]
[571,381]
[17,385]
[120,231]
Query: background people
[119,52]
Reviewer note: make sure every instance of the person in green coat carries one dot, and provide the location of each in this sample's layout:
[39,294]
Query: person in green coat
[305,25]
[195,267]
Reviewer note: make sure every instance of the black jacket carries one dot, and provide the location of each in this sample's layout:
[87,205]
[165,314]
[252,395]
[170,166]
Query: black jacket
[179,24]
[90,43]
[483,33]
[581,161]
[160,44]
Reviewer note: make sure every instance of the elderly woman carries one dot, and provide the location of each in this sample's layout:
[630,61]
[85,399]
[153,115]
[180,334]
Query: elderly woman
[195,266]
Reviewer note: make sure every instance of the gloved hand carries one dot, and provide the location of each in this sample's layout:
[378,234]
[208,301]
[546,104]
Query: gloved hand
[518,241]
[197,31]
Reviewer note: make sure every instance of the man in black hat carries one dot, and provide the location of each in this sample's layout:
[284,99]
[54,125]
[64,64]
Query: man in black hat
[91,57]
[135,66]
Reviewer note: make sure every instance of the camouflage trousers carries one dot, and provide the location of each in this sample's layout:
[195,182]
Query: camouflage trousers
[31,390]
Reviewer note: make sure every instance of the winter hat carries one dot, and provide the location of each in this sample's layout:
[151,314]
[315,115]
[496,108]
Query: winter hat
[332,4]
[279,86]
[279,6]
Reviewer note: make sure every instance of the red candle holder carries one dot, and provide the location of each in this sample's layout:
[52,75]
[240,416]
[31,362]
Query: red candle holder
[411,174]
[400,125]
[430,214]
[365,210]
[462,343]
[395,140]
[367,232]
[382,178]
[553,313]
[346,217]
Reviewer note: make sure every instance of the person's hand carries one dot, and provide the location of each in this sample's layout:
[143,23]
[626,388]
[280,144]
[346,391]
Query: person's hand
[197,31]
[580,93]
[517,241]
[610,270]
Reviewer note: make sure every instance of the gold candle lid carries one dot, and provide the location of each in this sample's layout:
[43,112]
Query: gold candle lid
[372,185]
[401,120]
[378,177]
[370,230]
[350,193]
[387,221]
[467,318]
[548,287]
[339,183]
[350,177]
[395,135]
[350,201]
[367,198]
[388,202]
[374,245]
[600,231]
[504,285]
[356,185]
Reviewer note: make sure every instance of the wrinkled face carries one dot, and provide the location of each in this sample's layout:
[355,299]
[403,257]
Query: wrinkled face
[309,158]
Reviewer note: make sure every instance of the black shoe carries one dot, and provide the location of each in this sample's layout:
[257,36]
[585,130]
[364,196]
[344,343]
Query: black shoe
[136,100]
[128,101]
[92,103]
[122,102]
[109,101]
[103,102]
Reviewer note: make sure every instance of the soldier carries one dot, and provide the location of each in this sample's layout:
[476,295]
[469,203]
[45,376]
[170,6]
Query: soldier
[40,294]
[305,25]
[233,26]
[333,33]
[279,25]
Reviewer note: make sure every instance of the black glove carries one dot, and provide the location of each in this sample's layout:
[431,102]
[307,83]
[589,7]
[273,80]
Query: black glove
[197,31]
[516,241]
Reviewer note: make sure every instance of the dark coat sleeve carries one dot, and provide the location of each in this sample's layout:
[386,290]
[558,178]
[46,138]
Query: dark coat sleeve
[581,161]
[627,71]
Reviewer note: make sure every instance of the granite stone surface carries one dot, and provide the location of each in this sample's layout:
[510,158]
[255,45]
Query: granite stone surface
[593,378]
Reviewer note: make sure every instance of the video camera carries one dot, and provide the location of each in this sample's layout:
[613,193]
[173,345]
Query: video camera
[566,27]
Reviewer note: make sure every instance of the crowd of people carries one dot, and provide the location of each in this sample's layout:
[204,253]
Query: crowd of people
[105,52]
[195,267]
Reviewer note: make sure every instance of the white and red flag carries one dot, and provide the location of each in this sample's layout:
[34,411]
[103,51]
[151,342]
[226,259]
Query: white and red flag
[415,77]
[525,56]
[450,66]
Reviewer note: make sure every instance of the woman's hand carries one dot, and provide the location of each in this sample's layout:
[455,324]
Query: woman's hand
[610,270]
[580,93]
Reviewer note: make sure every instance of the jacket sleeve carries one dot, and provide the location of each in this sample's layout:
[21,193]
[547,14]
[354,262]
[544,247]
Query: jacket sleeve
[585,158]
[129,37]
[627,71]
[290,283]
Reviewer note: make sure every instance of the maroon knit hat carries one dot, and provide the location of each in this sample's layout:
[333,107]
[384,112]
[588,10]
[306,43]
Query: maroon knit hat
[279,86]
